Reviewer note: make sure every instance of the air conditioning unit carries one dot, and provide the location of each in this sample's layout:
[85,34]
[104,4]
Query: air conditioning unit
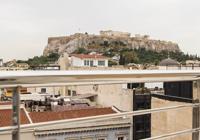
[34,108]
[95,87]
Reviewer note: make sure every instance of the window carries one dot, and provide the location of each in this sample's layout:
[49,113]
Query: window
[101,139]
[43,90]
[74,93]
[86,62]
[91,63]
[120,138]
[140,126]
[69,92]
[101,63]
[121,135]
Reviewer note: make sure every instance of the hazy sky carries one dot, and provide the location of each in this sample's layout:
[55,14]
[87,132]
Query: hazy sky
[26,25]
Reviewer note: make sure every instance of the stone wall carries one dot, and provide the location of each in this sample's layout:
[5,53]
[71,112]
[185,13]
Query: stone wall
[115,33]
[170,121]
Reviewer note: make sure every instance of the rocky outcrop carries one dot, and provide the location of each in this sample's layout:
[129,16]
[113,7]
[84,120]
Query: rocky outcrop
[71,44]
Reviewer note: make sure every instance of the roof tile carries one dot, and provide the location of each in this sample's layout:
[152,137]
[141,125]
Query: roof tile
[6,117]
[37,117]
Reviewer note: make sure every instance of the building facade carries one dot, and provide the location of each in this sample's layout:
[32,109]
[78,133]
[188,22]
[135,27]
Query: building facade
[111,129]
[81,60]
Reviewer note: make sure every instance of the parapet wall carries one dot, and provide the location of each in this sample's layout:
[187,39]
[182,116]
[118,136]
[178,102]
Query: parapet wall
[170,121]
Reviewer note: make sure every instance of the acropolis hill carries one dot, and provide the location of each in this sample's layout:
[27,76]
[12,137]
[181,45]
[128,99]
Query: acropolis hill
[71,43]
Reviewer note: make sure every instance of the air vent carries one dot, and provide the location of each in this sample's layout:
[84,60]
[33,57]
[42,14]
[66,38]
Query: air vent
[34,108]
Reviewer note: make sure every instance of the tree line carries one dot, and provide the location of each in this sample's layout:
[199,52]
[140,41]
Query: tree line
[141,56]
[36,61]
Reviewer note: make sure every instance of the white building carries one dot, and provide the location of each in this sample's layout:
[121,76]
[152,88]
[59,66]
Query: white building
[89,60]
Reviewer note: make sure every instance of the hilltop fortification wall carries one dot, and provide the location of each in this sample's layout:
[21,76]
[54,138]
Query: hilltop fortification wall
[71,43]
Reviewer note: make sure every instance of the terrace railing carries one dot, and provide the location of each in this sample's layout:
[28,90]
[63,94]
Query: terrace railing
[67,78]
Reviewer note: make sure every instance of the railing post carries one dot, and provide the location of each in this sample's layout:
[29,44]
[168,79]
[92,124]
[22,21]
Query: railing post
[196,110]
[16,113]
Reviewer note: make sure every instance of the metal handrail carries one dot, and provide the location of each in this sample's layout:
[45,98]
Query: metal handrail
[173,134]
[68,78]
[100,117]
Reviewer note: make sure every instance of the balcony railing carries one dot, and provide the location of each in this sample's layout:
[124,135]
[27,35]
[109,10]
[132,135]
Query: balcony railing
[66,78]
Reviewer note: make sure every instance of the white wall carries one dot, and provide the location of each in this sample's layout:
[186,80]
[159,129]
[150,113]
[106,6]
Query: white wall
[153,85]
[80,62]
[108,95]
[76,61]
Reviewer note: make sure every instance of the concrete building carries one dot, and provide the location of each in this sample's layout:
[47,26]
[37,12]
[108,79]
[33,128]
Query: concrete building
[81,60]
[9,91]
[193,62]
[22,65]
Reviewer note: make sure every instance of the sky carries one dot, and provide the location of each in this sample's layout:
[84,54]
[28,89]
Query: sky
[26,25]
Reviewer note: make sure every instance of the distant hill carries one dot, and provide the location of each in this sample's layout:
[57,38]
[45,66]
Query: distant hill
[105,41]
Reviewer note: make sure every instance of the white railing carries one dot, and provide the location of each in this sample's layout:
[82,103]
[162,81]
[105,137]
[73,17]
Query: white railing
[66,78]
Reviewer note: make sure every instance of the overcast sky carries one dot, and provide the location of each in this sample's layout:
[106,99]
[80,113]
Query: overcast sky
[26,25]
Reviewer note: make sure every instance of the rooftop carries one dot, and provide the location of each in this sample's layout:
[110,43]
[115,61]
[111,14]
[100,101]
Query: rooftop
[8,103]
[168,62]
[89,56]
[21,89]
[37,117]
[6,117]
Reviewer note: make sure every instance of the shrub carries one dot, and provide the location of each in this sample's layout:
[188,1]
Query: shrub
[112,63]
[81,50]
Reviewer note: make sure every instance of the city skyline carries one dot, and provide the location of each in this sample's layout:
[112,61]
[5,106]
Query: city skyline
[26,26]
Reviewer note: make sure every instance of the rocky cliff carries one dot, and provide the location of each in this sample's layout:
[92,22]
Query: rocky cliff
[70,44]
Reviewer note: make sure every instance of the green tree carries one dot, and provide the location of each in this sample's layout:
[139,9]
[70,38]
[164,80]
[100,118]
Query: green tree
[136,60]
[129,56]
[157,62]
[112,63]
[20,61]
[106,43]
[81,50]
[183,62]
[112,54]
[105,53]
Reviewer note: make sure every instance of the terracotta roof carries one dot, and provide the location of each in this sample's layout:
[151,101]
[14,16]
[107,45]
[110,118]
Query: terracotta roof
[6,117]
[8,103]
[89,56]
[21,89]
[37,117]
